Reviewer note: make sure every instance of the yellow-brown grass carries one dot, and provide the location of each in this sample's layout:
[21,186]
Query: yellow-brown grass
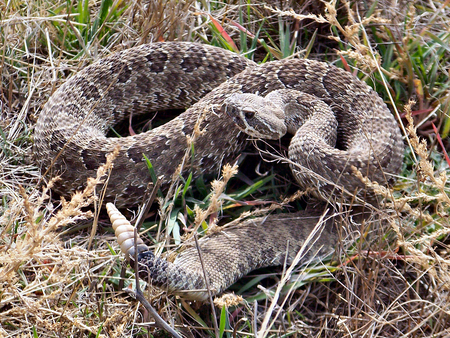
[57,279]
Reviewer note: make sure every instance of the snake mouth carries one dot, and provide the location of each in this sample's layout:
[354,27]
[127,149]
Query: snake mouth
[236,119]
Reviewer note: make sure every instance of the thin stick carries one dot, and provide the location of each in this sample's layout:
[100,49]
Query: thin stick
[255,318]
[208,287]
[159,322]
[148,201]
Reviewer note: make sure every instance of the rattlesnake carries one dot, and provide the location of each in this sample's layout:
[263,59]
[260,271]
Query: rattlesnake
[70,139]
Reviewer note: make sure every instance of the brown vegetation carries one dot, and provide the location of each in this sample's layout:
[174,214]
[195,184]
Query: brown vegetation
[59,267]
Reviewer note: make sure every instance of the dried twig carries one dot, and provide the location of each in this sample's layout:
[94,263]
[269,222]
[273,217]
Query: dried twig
[138,292]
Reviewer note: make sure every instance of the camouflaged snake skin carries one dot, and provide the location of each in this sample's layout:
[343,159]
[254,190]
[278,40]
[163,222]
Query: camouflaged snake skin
[70,132]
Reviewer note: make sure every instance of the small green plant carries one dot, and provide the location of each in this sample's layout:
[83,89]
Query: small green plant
[82,32]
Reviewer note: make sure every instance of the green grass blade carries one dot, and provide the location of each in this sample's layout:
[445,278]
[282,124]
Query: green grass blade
[187,185]
[251,189]
[223,321]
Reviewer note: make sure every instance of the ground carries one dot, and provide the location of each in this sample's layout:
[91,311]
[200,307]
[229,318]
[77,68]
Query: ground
[60,271]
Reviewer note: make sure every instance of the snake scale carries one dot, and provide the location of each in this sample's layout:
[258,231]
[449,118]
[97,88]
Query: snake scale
[70,140]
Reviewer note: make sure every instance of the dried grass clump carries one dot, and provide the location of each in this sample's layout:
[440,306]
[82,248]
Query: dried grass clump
[407,282]
[394,281]
[353,32]
[51,286]
[428,208]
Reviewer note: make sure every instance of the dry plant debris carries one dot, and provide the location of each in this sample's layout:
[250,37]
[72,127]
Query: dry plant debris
[58,280]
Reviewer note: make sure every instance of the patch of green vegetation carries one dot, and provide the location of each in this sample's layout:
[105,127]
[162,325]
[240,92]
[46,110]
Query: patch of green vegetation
[76,36]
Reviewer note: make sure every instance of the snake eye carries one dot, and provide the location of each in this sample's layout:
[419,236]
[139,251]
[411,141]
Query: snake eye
[249,114]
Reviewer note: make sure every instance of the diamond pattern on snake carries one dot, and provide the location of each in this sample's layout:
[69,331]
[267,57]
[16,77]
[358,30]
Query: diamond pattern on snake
[339,123]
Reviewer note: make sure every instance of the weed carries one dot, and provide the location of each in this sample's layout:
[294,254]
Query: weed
[62,284]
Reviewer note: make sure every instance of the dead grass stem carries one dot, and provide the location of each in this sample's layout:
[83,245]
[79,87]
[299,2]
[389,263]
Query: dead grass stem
[393,279]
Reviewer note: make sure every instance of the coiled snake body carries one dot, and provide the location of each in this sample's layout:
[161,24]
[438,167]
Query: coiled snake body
[344,124]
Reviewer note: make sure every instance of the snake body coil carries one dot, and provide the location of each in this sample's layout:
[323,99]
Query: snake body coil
[70,138]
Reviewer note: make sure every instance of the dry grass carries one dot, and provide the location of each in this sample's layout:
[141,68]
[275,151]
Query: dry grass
[57,279]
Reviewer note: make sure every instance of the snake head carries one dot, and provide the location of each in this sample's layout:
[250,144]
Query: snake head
[255,116]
